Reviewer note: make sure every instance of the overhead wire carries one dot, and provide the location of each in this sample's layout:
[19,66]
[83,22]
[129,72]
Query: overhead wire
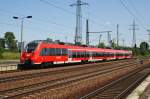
[35,18]
[69,12]
[134,8]
[132,14]
[31,28]
[137,12]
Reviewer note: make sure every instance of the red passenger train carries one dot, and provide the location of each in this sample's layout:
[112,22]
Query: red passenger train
[46,53]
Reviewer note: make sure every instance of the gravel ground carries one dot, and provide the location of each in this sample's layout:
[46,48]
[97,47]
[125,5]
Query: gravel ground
[79,88]
[76,89]
[55,69]
[25,82]
[73,90]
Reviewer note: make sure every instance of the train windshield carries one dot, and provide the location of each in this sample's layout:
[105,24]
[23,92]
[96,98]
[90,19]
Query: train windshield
[31,47]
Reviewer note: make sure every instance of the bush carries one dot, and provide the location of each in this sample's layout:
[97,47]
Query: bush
[1,52]
[10,55]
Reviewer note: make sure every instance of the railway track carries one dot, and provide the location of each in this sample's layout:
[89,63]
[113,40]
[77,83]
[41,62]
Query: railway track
[30,89]
[120,88]
[46,73]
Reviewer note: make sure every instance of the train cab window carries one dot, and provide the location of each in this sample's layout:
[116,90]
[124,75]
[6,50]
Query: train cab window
[31,47]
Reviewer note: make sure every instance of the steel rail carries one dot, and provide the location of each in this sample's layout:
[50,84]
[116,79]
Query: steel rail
[48,84]
[118,95]
[39,74]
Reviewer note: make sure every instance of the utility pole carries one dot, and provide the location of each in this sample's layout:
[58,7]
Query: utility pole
[108,36]
[117,35]
[87,32]
[123,42]
[78,33]
[109,39]
[134,35]
[149,34]
[100,36]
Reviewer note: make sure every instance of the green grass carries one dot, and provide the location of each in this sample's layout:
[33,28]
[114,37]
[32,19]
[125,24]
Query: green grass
[10,55]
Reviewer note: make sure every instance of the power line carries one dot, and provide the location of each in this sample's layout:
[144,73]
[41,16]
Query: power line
[53,5]
[131,13]
[137,13]
[37,19]
[135,9]
[69,12]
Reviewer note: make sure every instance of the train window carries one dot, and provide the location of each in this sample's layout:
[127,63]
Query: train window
[64,52]
[51,52]
[100,54]
[87,54]
[78,54]
[104,54]
[74,54]
[44,52]
[94,54]
[82,54]
[109,54]
[58,52]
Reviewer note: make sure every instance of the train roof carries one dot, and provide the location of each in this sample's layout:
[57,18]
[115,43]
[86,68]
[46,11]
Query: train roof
[75,47]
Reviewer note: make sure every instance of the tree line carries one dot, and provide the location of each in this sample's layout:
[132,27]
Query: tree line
[142,50]
[8,43]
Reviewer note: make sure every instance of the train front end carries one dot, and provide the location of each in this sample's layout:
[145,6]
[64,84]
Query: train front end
[29,55]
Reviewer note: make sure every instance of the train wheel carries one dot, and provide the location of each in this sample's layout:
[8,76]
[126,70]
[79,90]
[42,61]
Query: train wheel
[47,64]
[50,64]
[21,67]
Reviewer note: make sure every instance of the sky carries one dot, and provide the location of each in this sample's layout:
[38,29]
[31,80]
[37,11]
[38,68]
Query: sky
[56,19]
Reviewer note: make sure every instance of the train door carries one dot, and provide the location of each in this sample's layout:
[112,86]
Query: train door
[114,54]
[90,55]
[69,55]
